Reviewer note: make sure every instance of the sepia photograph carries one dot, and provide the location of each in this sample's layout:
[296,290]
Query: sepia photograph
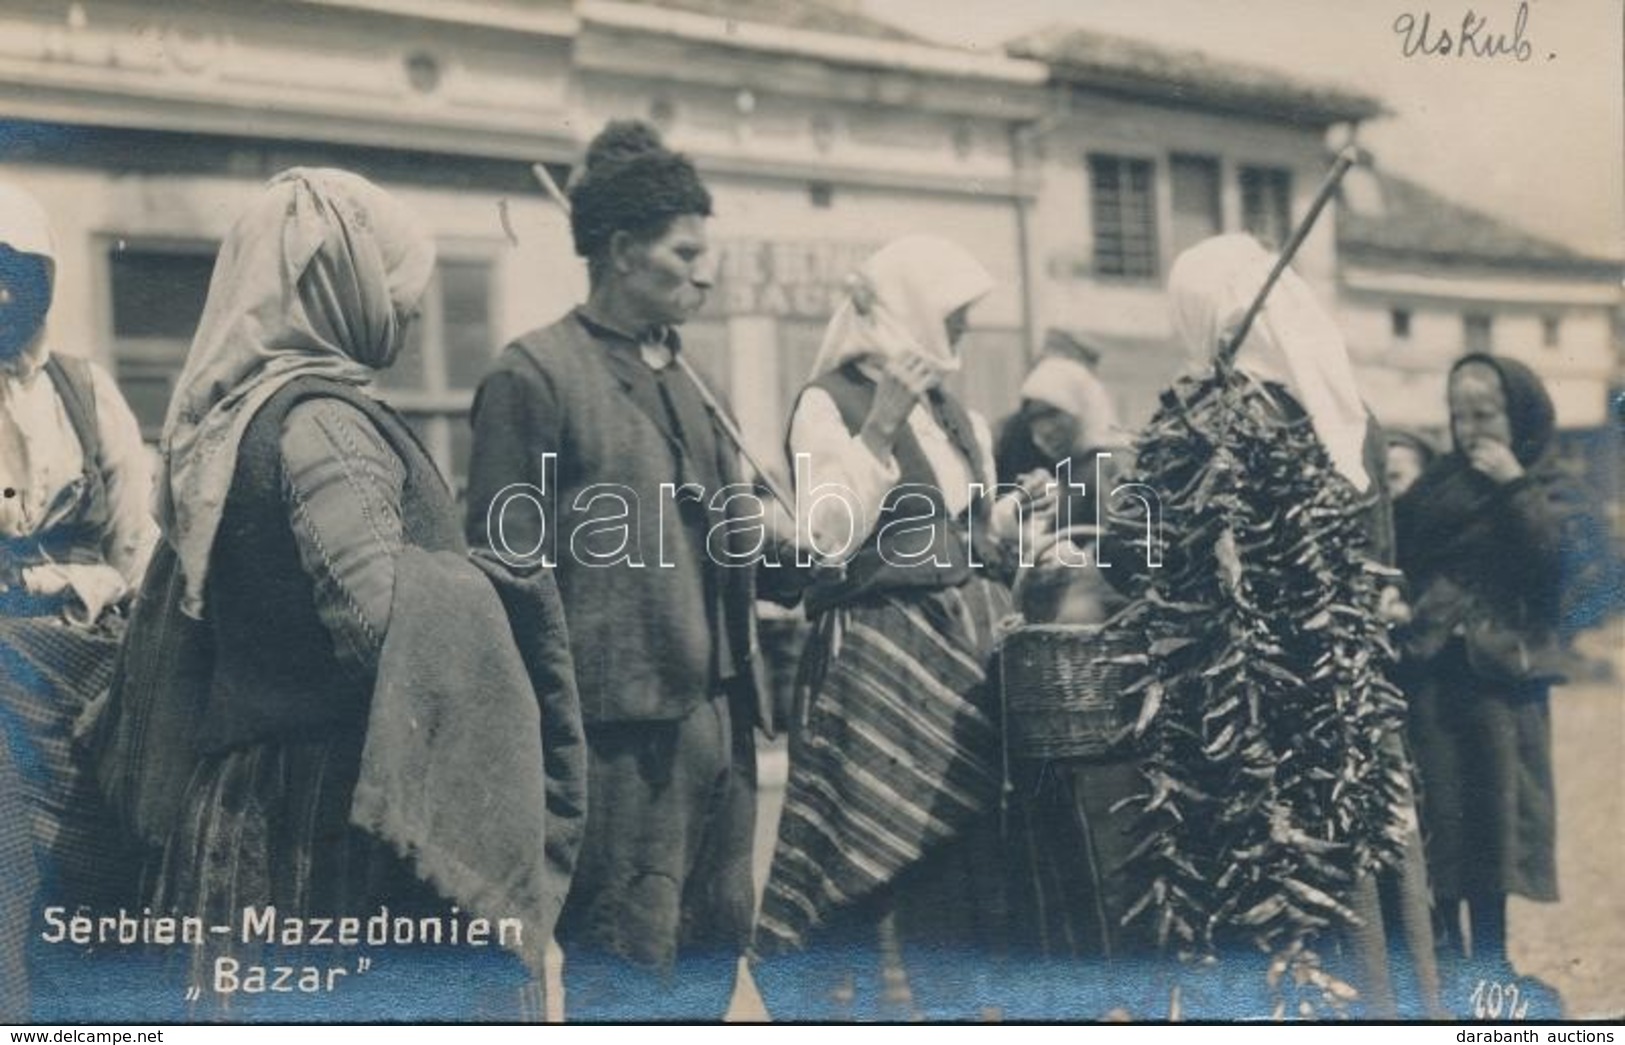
[812,511]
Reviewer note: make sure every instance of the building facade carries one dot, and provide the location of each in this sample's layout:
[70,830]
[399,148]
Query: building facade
[144,130]
[1423,280]
[1145,151]
[1076,166]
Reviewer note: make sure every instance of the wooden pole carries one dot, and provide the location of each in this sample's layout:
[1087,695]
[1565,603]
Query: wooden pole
[1345,159]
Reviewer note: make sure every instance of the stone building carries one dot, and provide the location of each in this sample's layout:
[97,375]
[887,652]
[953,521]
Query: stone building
[1142,152]
[1076,165]
[144,128]
[1423,280]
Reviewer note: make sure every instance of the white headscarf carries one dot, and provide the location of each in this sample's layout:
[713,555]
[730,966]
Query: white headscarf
[899,300]
[1292,341]
[318,278]
[26,229]
[24,226]
[1066,384]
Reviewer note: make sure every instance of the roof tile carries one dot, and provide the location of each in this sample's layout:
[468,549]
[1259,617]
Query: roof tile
[1086,58]
[1404,219]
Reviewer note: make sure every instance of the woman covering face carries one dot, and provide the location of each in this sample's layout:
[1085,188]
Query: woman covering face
[912,298]
[890,809]
[1480,541]
[75,533]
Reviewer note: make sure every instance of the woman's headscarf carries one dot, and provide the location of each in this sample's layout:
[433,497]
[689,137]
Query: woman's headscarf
[1453,499]
[319,278]
[28,256]
[1530,415]
[1069,386]
[24,225]
[1451,494]
[898,301]
[1292,342]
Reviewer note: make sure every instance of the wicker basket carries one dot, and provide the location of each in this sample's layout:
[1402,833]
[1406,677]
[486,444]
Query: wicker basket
[1062,699]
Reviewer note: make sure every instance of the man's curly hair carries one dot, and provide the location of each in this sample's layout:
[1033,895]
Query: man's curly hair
[632,183]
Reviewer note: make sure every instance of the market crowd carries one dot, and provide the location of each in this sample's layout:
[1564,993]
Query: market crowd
[1295,767]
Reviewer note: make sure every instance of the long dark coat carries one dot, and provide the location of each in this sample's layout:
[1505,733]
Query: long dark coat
[1485,559]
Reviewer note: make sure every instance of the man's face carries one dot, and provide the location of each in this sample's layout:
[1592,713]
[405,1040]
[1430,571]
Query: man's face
[666,279]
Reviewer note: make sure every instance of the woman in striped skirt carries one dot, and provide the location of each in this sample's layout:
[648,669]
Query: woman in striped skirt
[885,894]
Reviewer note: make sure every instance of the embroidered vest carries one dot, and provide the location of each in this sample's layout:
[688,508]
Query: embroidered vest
[275,673]
[77,535]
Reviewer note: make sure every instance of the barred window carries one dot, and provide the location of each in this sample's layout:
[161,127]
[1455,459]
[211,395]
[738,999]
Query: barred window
[448,351]
[1266,204]
[157,290]
[1124,209]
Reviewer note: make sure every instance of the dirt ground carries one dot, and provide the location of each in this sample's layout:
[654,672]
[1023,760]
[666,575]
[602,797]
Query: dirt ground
[1576,945]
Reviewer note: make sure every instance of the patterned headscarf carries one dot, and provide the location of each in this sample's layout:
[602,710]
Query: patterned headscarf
[320,277]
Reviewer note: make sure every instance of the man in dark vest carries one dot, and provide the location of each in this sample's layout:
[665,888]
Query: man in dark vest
[594,450]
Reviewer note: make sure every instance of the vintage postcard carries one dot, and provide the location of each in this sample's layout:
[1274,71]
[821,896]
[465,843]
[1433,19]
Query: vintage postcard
[811,510]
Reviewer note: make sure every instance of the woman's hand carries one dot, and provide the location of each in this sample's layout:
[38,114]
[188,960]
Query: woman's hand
[1039,498]
[46,580]
[1495,460]
[907,378]
[90,588]
[1027,512]
[1039,491]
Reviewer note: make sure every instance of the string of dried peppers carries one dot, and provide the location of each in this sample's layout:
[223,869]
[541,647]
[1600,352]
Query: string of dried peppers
[1268,725]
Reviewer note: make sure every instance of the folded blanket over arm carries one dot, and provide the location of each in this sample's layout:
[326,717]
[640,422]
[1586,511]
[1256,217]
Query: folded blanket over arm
[454,773]
[536,617]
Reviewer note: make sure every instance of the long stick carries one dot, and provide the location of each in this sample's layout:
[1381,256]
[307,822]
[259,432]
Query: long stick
[1345,159]
[551,187]
[735,436]
[725,422]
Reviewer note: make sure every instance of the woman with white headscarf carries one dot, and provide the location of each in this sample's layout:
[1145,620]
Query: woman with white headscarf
[320,708]
[75,533]
[1297,370]
[1066,427]
[885,853]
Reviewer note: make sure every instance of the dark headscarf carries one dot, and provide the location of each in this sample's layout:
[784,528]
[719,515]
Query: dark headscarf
[1529,408]
[27,270]
[1453,500]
